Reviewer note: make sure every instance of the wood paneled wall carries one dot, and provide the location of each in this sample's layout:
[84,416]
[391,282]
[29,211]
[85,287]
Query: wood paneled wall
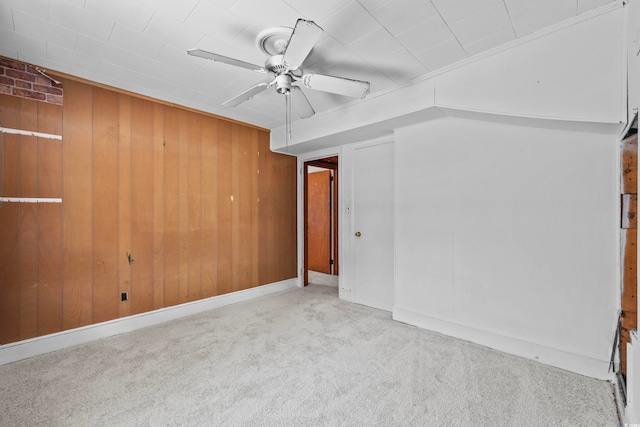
[198,203]
[629,240]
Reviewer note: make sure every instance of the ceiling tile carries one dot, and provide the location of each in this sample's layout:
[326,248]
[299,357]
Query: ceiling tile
[127,39]
[6,18]
[328,54]
[81,20]
[225,4]
[71,57]
[223,74]
[25,45]
[130,79]
[265,13]
[481,25]
[179,58]
[215,45]
[315,10]
[39,8]
[32,26]
[188,80]
[395,64]
[540,14]
[43,62]
[100,50]
[372,5]
[394,17]
[517,4]
[341,24]
[375,45]
[178,10]
[244,46]
[147,66]
[494,40]
[8,51]
[427,34]
[587,5]
[131,13]
[442,55]
[455,10]
[166,28]
[211,19]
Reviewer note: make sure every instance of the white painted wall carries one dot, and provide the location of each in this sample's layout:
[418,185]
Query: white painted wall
[510,231]
[506,191]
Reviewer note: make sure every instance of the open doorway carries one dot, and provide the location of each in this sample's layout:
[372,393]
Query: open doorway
[321,221]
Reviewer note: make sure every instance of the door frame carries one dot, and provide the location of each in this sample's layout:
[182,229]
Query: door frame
[334,194]
[303,277]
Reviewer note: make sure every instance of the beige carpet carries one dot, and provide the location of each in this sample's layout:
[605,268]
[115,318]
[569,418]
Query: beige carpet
[301,357]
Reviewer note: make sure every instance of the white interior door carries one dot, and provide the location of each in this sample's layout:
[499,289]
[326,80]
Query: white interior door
[373,226]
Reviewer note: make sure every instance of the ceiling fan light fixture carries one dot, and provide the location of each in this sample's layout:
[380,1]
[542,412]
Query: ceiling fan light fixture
[283,84]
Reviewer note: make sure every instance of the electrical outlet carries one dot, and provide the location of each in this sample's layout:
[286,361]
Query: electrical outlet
[124,296]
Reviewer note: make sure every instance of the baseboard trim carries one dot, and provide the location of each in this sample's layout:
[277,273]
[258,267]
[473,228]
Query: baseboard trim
[583,365]
[13,352]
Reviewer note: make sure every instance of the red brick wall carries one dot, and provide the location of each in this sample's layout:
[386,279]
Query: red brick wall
[23,80]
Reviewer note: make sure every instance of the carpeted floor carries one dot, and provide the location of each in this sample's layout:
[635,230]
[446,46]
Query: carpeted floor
[301,357]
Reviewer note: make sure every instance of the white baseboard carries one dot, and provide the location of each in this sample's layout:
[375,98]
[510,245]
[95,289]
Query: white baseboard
[40,345]
[583,365]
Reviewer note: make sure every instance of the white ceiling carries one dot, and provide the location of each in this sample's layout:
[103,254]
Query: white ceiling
[140,45]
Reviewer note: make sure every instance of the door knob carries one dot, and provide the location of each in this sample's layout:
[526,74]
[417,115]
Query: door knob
[358,234]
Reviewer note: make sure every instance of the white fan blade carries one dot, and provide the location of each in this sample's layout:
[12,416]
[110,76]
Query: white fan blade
[219,58]
[301,103]
[338,85]
[304,37]
[248,94]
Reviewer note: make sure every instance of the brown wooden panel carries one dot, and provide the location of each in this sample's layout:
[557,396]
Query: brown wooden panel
[629,270]
[124,201]
[77,204]
[195,208]
[282,217]
[183,205]
[245,207]
[106,297]
[171,208]
[9,271]
[141,206]
[319,221]
[49,151]
[209,206]
[28,149]
[49,221]
[630,165]
[263,204]
[236,160]
[255,210]
[629,211]
[225,271]
[49,268]
[28,270]
[28,222]
[158,206]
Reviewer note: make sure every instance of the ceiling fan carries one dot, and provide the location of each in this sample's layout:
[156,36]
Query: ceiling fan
[287,49]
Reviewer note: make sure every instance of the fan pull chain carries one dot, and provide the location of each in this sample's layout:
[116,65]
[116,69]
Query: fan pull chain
[287,97]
